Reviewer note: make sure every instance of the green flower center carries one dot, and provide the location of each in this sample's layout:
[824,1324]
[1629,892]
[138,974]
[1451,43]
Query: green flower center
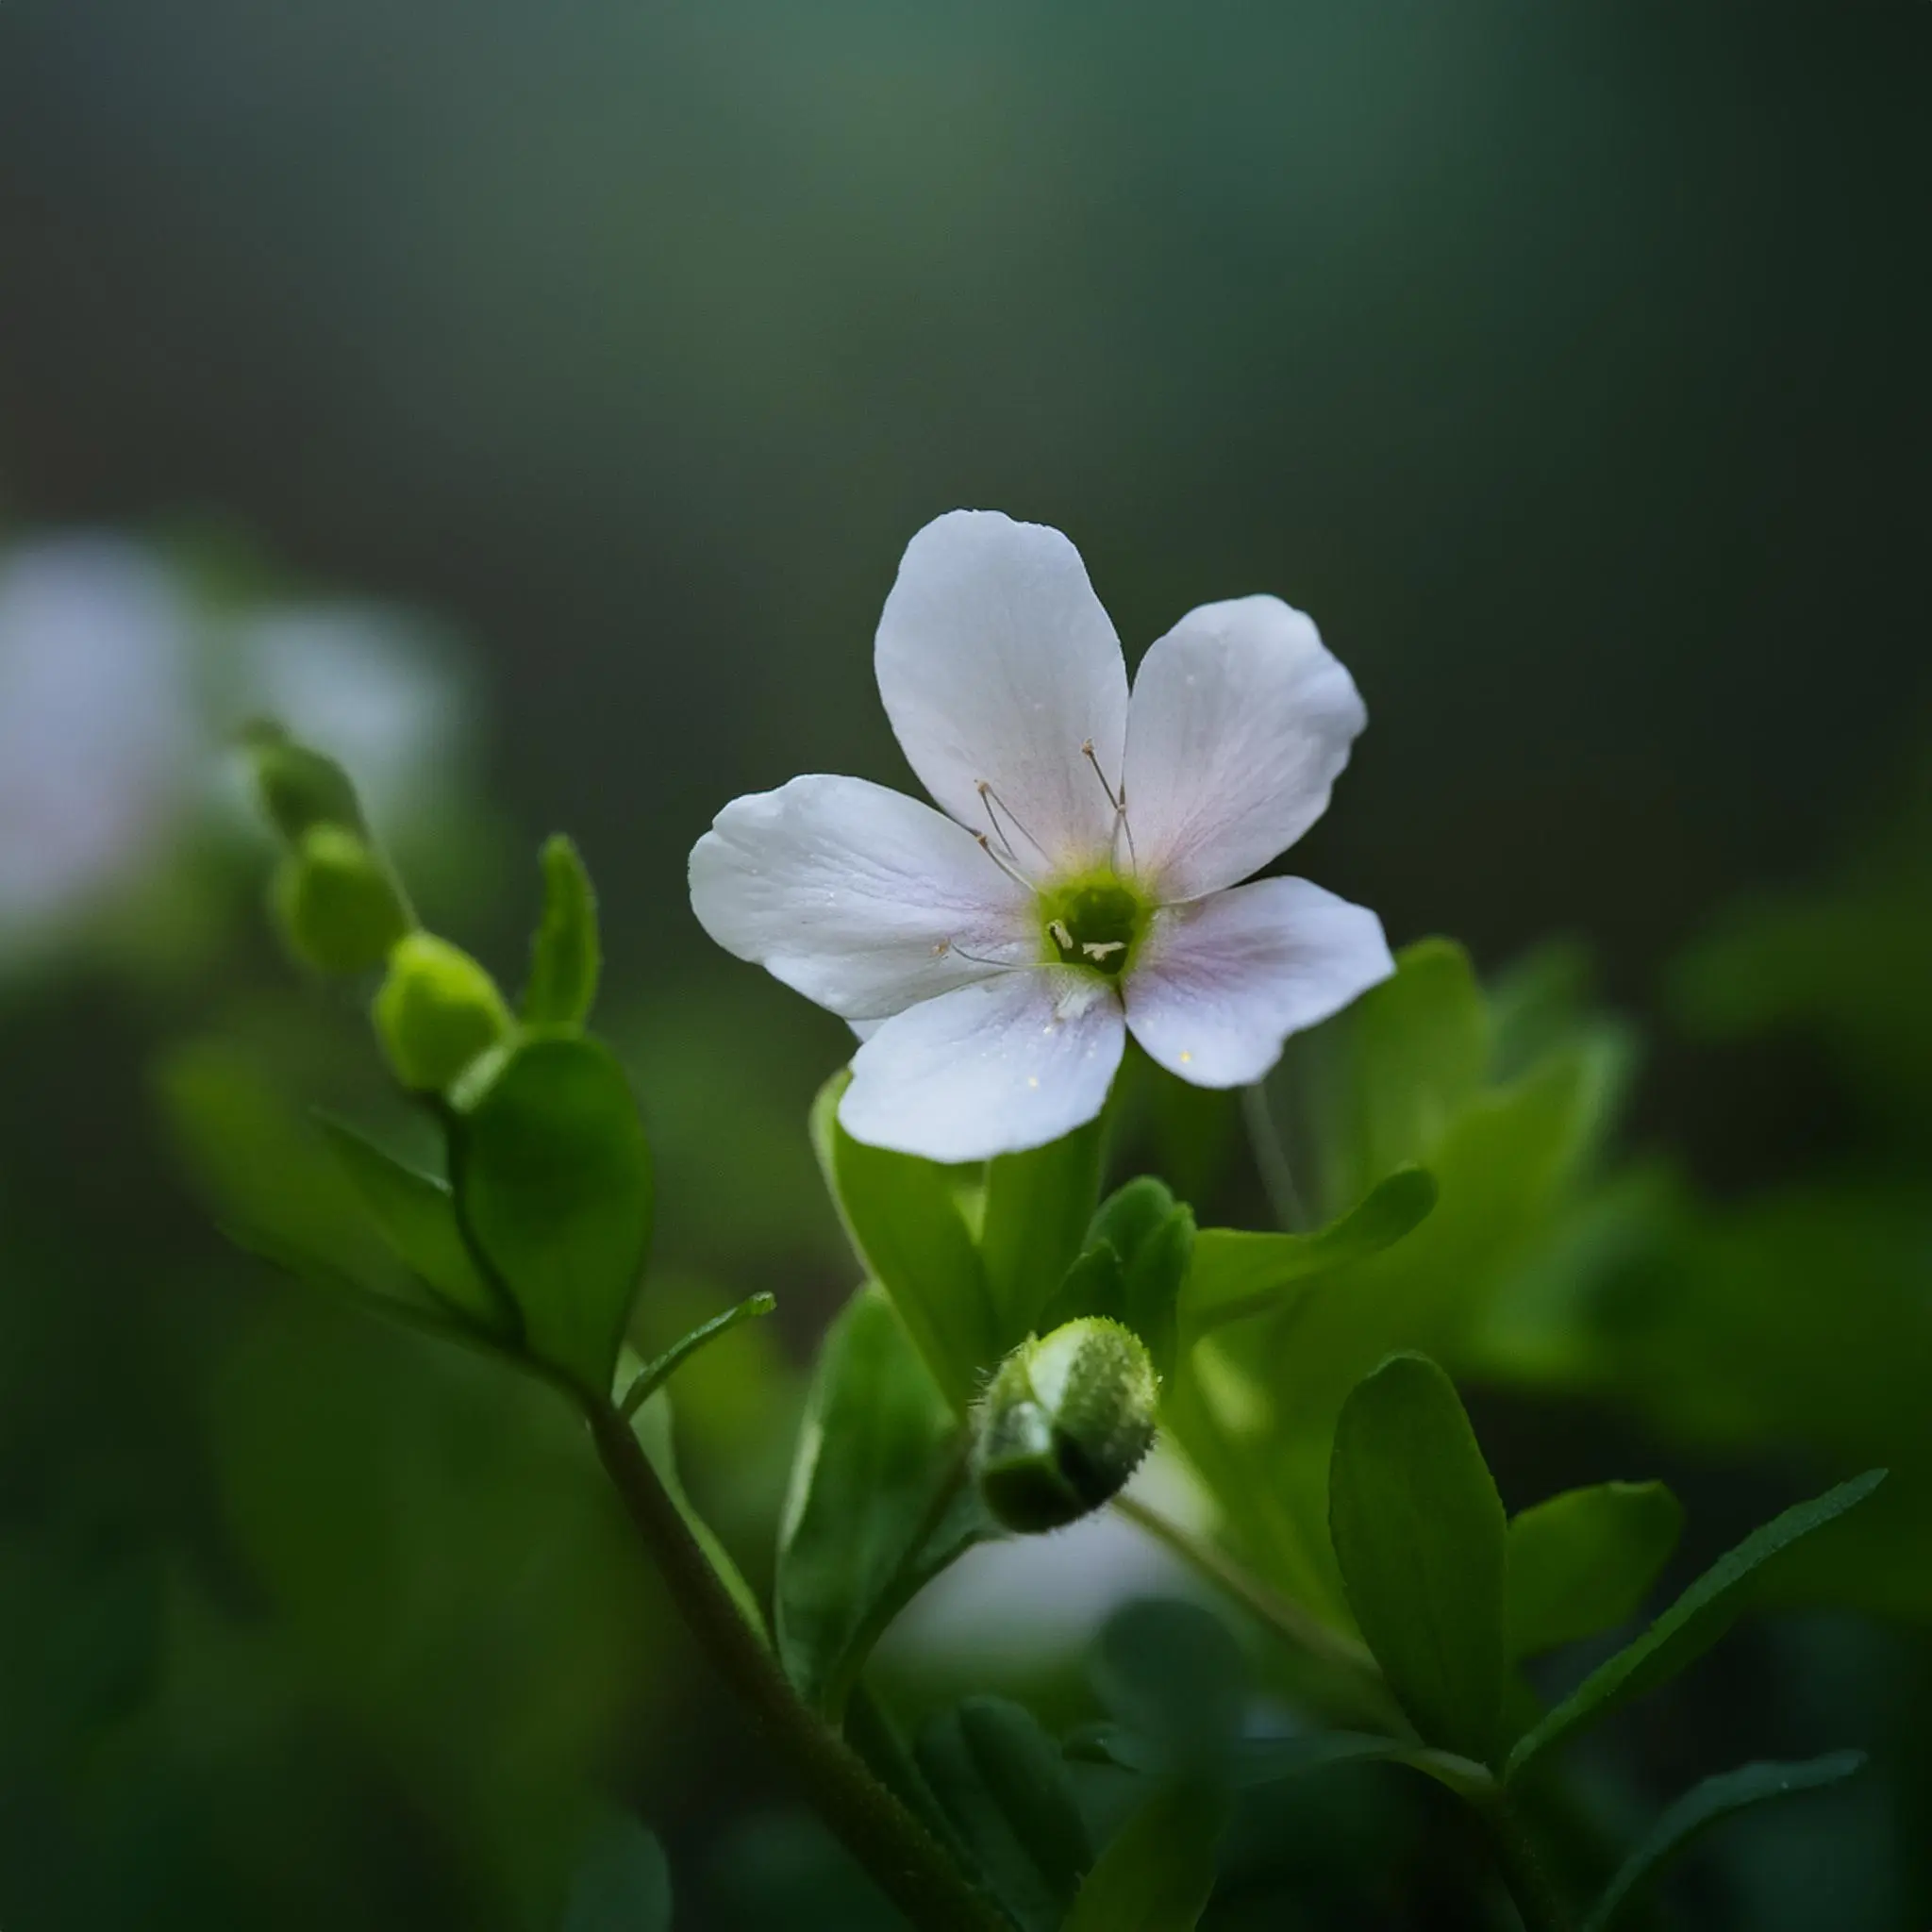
[1094,921]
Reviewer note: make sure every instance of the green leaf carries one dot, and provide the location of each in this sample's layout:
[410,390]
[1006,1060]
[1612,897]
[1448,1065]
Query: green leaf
[1709,1803]
[1419,1533]
[1037,1205]
[621,1882]
[903,1217]
[1139,1247]
[1690,1625]
[418,1217]
[1002,1784]
[877,1503]
[1237,1274]
[1584,1561]
[1158,1875]
[565,958]
[553,1181]
[660,1369]
[1376,1086]
[1173,1674]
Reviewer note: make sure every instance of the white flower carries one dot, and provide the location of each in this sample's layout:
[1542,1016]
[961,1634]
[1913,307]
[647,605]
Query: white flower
[994,956]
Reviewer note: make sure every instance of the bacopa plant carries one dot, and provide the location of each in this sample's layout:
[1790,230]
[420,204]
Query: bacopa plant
[1020,1343]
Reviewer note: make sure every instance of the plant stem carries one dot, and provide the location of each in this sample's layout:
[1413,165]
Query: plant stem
[1282,1614]
[901,1855]
[1538,1903]
[1271,1159]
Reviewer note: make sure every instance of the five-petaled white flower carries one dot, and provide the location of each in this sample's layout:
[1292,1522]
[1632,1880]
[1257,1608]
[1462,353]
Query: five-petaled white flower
[993,957]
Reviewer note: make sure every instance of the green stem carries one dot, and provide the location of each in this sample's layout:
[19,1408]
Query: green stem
[1538,1902]
[1271,1159]
[901,1855]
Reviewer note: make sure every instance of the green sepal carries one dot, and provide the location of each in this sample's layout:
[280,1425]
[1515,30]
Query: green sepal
[904,1219]
[1583,1561]
[1691,1624]
[1419,1532]
[1004,1788]
[552,1179]
[418,1217]
[877,1503]
[565,957]
[1709,1803]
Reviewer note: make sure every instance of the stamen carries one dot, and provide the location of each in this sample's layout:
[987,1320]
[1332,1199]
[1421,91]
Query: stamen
[1006,865]
[1117,799]
[990,798]
[953,946]
[1101,949]
[1059,930]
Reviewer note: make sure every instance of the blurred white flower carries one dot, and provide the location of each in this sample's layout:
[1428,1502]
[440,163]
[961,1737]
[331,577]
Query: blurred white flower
[993,960]
[98,732]
[371,684]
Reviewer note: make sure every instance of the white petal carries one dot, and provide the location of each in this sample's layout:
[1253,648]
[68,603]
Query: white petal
[1241,722]
[860,897]
[996,663]
[1010,1063]
[1222,983]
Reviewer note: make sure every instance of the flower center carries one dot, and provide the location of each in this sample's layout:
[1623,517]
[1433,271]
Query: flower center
[1094,921]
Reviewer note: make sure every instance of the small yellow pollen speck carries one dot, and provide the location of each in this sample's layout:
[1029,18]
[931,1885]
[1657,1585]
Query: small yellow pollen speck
[1033,1079]
[1186,1057]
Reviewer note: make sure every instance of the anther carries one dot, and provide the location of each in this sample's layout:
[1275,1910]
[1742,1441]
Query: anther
[1006,865]
[1058,928]
[991,799]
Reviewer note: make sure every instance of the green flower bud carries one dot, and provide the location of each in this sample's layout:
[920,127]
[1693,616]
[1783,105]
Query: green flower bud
[300,788]
[437,1011]
[335,903]
[1064,1424]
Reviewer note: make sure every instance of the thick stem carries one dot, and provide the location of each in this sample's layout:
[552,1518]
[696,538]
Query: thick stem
[1538,1903]
[901,1855]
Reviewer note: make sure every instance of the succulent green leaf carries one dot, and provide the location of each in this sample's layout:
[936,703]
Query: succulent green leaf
[621,1882]
[1709,1803]
[878,1502]
[1237,1274]
[1004,1788]
[553,1183]
[1584,1561]
[904,1219]
[418,1217]
[1157,1874]
[565,957]
[1691,1624]
[1419,1533]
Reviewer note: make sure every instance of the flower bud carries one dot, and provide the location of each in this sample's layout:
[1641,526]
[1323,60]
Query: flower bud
[1064,1424]
[335,903]
[437,1011]
[300,788]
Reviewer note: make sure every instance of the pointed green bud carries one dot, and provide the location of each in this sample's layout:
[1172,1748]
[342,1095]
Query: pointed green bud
[1064,1424]
[437,1013]
[300,788]
[336,903]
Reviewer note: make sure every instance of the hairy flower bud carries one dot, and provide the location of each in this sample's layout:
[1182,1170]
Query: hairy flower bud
[437,1011]
[335,903]
[1064,1424]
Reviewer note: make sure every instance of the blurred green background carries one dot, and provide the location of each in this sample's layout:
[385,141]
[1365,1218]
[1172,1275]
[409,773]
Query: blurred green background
[531,402]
